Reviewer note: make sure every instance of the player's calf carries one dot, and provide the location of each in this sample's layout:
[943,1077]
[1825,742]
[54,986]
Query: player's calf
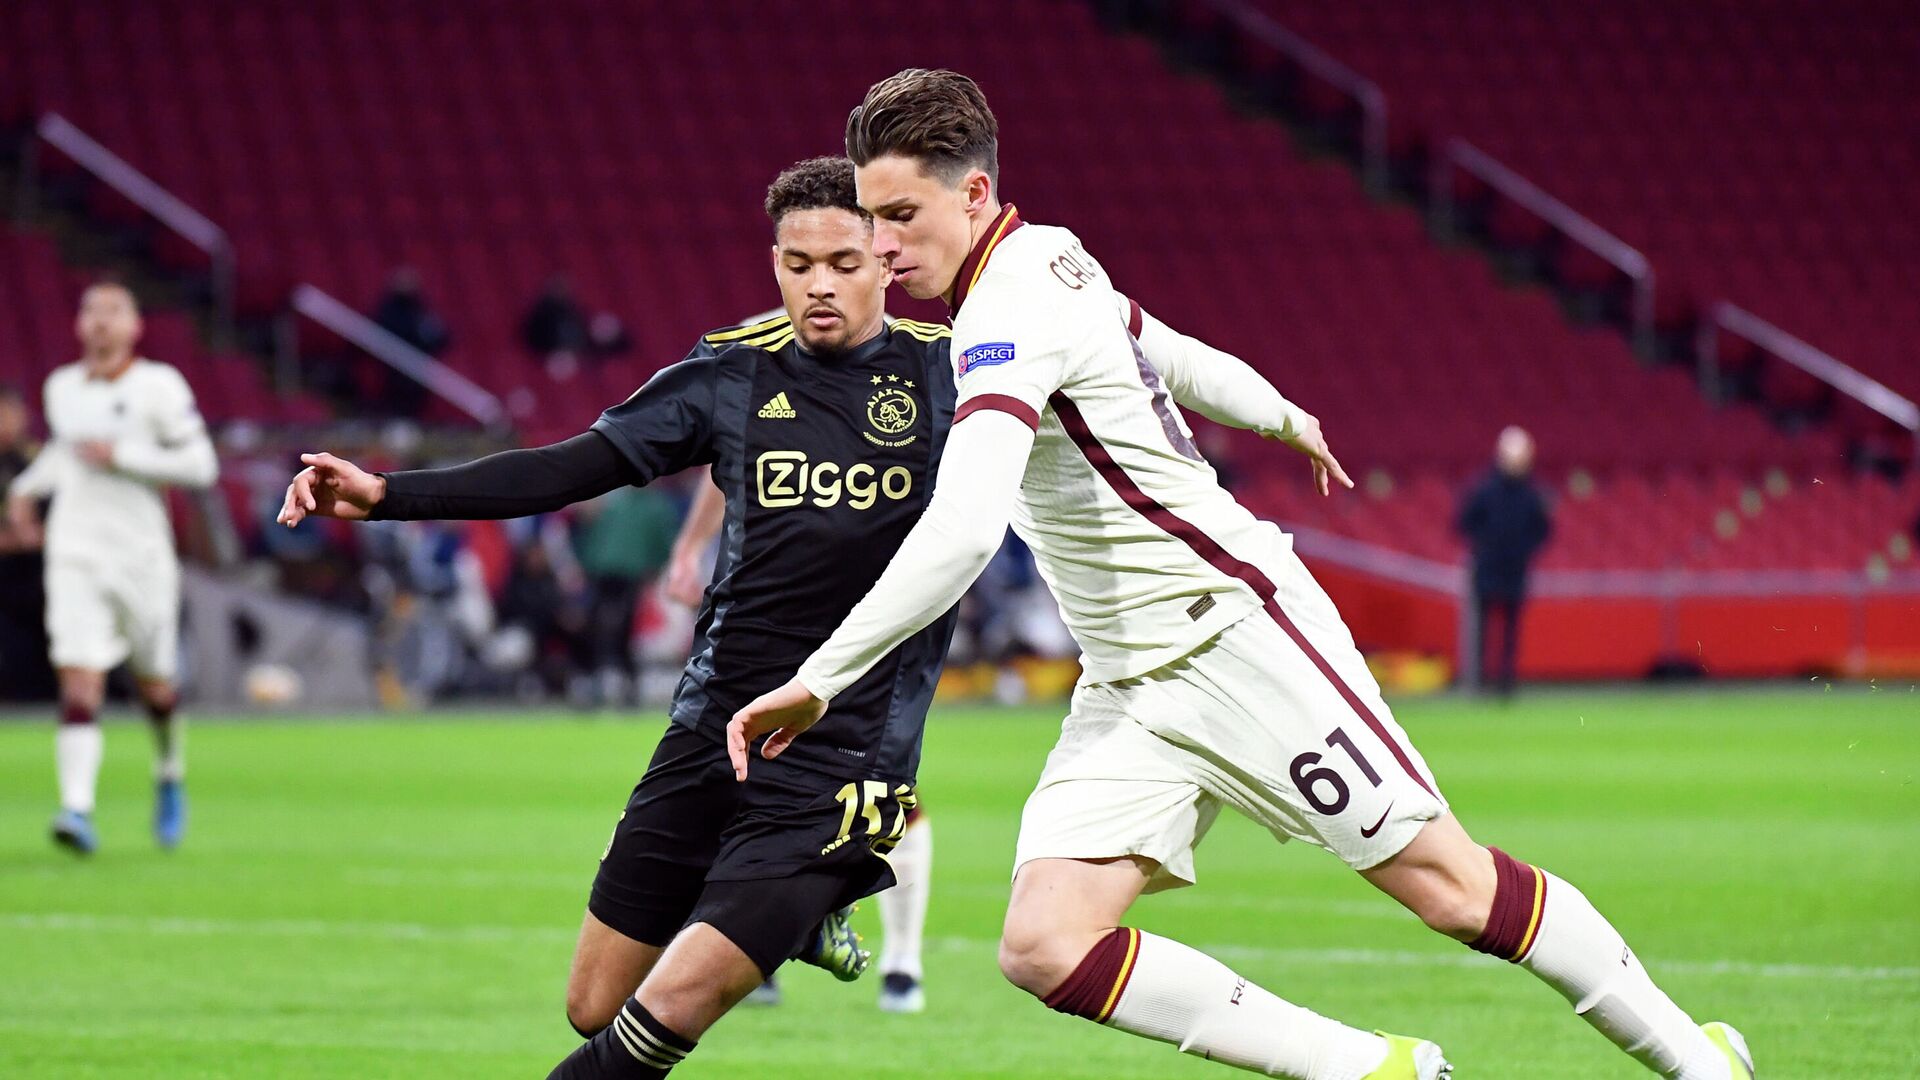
[1503,907]
[1543,924]
[1156,988]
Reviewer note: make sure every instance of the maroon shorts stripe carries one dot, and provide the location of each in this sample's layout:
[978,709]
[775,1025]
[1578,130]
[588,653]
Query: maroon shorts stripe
[1222,560]
[1005,403]
[1353,700]
[1135,323]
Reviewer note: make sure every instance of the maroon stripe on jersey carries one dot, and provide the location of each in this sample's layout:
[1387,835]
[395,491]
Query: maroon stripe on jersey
[1220,559]
[1005,403]
[975,262]
[1135,322]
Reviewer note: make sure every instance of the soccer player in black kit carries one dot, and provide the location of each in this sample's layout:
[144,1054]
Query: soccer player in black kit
[824,429]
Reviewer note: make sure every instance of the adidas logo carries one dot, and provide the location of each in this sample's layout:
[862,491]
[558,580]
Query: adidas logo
[778,408]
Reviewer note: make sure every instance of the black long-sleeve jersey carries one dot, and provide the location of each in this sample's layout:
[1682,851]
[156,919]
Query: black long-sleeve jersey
[826,462]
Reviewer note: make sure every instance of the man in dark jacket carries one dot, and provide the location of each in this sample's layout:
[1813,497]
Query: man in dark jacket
[1504,522]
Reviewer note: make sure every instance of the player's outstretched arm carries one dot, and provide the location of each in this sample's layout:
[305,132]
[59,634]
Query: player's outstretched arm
[980,471]
[1227,390]
[514,483]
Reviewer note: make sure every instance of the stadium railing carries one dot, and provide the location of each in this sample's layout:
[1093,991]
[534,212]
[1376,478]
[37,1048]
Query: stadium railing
[136,187]
[1724,317]
[1367,97]
[1457,154]
[1619,623]
[443,381]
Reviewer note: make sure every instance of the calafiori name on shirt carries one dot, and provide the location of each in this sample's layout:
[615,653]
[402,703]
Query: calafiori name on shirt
[789,478]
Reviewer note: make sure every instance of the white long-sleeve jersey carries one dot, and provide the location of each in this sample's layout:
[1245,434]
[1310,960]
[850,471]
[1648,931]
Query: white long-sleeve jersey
[116,514]
[1063,427]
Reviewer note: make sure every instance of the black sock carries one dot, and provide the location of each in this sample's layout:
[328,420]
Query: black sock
[634,1047]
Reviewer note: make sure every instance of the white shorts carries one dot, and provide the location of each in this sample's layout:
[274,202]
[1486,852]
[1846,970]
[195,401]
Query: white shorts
[1291,732]
[100,613]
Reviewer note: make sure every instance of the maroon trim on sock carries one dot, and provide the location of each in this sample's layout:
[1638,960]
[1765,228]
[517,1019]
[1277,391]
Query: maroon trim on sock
[75,715]
[1090,988]
[1513,908]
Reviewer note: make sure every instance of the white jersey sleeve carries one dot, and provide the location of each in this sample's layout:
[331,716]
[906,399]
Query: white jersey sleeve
[1218,385]
[171,446]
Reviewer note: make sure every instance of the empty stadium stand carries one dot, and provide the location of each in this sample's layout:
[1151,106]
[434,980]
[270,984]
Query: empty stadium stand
[628,146]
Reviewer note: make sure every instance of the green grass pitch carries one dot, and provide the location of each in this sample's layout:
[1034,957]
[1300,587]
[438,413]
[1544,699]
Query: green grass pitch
[366,899]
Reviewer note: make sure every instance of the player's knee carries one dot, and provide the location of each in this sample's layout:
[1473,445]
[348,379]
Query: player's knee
[1037,962]
[588,1013]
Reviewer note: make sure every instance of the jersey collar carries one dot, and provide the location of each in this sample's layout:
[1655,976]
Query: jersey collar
[976,261]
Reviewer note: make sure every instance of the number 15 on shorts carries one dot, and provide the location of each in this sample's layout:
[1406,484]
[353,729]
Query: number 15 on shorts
[867,801]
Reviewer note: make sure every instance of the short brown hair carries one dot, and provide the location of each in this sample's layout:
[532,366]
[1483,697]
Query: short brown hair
[939,117]
[110,281]
[822,183]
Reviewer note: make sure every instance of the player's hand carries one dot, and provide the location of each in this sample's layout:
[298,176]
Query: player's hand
[787,712]
[331,487]
[684,586]
[95,452]
[23,524]
[1312,442]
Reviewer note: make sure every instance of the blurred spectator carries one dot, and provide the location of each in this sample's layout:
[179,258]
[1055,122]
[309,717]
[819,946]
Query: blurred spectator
[623,543]
[1504,520]
[24,674]
[404,312]
[556,322]
[607,336]
[538,604]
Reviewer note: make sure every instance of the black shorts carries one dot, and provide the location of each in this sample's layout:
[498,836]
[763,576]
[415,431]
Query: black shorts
[762,862]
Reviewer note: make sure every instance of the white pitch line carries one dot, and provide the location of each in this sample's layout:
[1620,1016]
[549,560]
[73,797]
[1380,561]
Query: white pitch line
[422,932]
[296,928]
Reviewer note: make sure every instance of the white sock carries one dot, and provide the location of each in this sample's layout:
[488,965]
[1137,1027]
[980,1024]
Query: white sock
[76,757]
[1580,954]
[170,748]
[903,908]
[1183,996]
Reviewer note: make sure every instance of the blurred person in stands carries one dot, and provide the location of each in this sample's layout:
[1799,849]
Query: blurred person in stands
[541,602]
[607,336]
[24,674]
[123,427]
[623,543]
[556,322]
[1505,521]
[403,311]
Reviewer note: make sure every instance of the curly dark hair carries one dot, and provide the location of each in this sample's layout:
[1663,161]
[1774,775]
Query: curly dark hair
[939,117]
[822,183]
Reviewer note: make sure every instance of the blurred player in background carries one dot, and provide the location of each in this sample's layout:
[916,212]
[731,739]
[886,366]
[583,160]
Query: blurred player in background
[903,908]
[123,427]
[1217,673]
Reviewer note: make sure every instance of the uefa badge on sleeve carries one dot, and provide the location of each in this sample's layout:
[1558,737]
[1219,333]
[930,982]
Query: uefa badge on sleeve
[985,354]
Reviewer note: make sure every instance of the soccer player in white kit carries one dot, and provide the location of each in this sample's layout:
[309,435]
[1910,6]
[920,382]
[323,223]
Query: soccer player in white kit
[123,427]
[1217,673]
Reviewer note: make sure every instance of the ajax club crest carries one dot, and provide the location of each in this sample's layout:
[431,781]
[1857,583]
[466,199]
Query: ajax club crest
[891,412]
